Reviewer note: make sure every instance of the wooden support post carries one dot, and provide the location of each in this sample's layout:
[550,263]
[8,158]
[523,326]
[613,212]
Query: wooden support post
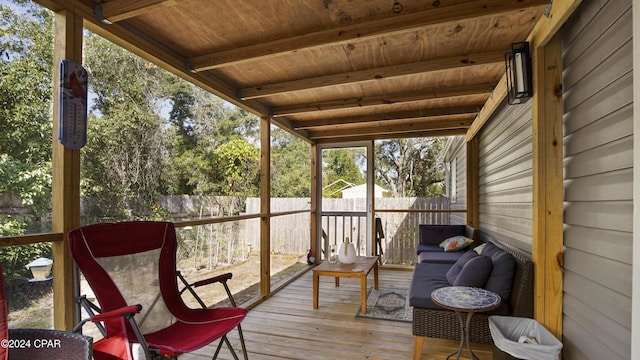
[473,158]
[548,183]
[371,203]
[66,178]
[265,206]
[314,238]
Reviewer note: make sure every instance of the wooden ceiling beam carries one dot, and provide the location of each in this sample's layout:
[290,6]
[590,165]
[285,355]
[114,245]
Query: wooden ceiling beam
[340,35]
[375,74]
[382,134]
[430,94]
[287,126]
[373,137]
[457,121]
[118,10]
[414,115]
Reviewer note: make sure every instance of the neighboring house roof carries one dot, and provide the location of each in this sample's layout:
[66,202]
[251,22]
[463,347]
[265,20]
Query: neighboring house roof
[361,191]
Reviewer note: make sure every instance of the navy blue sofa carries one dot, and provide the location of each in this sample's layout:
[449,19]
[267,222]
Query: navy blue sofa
[511,276]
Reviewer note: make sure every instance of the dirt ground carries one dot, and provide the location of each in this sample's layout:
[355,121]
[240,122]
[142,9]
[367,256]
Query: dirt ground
[31,304]
[245,283]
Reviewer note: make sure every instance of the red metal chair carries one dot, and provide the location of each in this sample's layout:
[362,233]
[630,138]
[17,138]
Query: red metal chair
[131,268]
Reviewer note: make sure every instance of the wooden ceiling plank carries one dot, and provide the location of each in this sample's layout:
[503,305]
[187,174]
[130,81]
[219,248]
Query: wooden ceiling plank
[144,44]
[375,74]
[402,115]
[340,35]
[382,100]
[119,10]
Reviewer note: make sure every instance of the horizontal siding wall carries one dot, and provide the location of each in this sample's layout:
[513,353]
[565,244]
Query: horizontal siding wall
[460,151]
[598,145]
[505,177]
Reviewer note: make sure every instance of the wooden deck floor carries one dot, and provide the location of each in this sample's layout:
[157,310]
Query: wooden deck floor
[287,327]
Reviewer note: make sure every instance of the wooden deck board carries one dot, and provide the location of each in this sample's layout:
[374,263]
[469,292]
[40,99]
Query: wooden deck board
[287,327]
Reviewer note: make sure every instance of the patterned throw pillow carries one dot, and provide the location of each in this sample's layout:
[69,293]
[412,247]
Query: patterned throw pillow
[455,243]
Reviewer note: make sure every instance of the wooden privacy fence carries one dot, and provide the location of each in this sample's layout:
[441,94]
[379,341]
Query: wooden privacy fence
[290,234]
[401,227]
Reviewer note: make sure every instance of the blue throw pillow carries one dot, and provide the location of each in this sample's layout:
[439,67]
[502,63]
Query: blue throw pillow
[457,266]
[501,277]
[474,273]
[490,249]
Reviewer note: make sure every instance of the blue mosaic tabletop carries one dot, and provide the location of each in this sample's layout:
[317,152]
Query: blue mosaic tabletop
[466,298]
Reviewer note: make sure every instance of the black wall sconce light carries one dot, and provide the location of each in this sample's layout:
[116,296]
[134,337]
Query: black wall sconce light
[519,76]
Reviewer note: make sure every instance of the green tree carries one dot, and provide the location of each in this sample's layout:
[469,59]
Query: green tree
[216,129]
[124,158]
[179,137]
[290,165]
[26,77]
[133,154]
[341,165]
[237,163]
[408,167]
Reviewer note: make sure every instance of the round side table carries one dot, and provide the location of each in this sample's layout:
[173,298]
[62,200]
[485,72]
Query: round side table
[465,300]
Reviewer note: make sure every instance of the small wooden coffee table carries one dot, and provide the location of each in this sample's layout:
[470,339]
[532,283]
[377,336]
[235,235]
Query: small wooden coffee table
[359,269]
